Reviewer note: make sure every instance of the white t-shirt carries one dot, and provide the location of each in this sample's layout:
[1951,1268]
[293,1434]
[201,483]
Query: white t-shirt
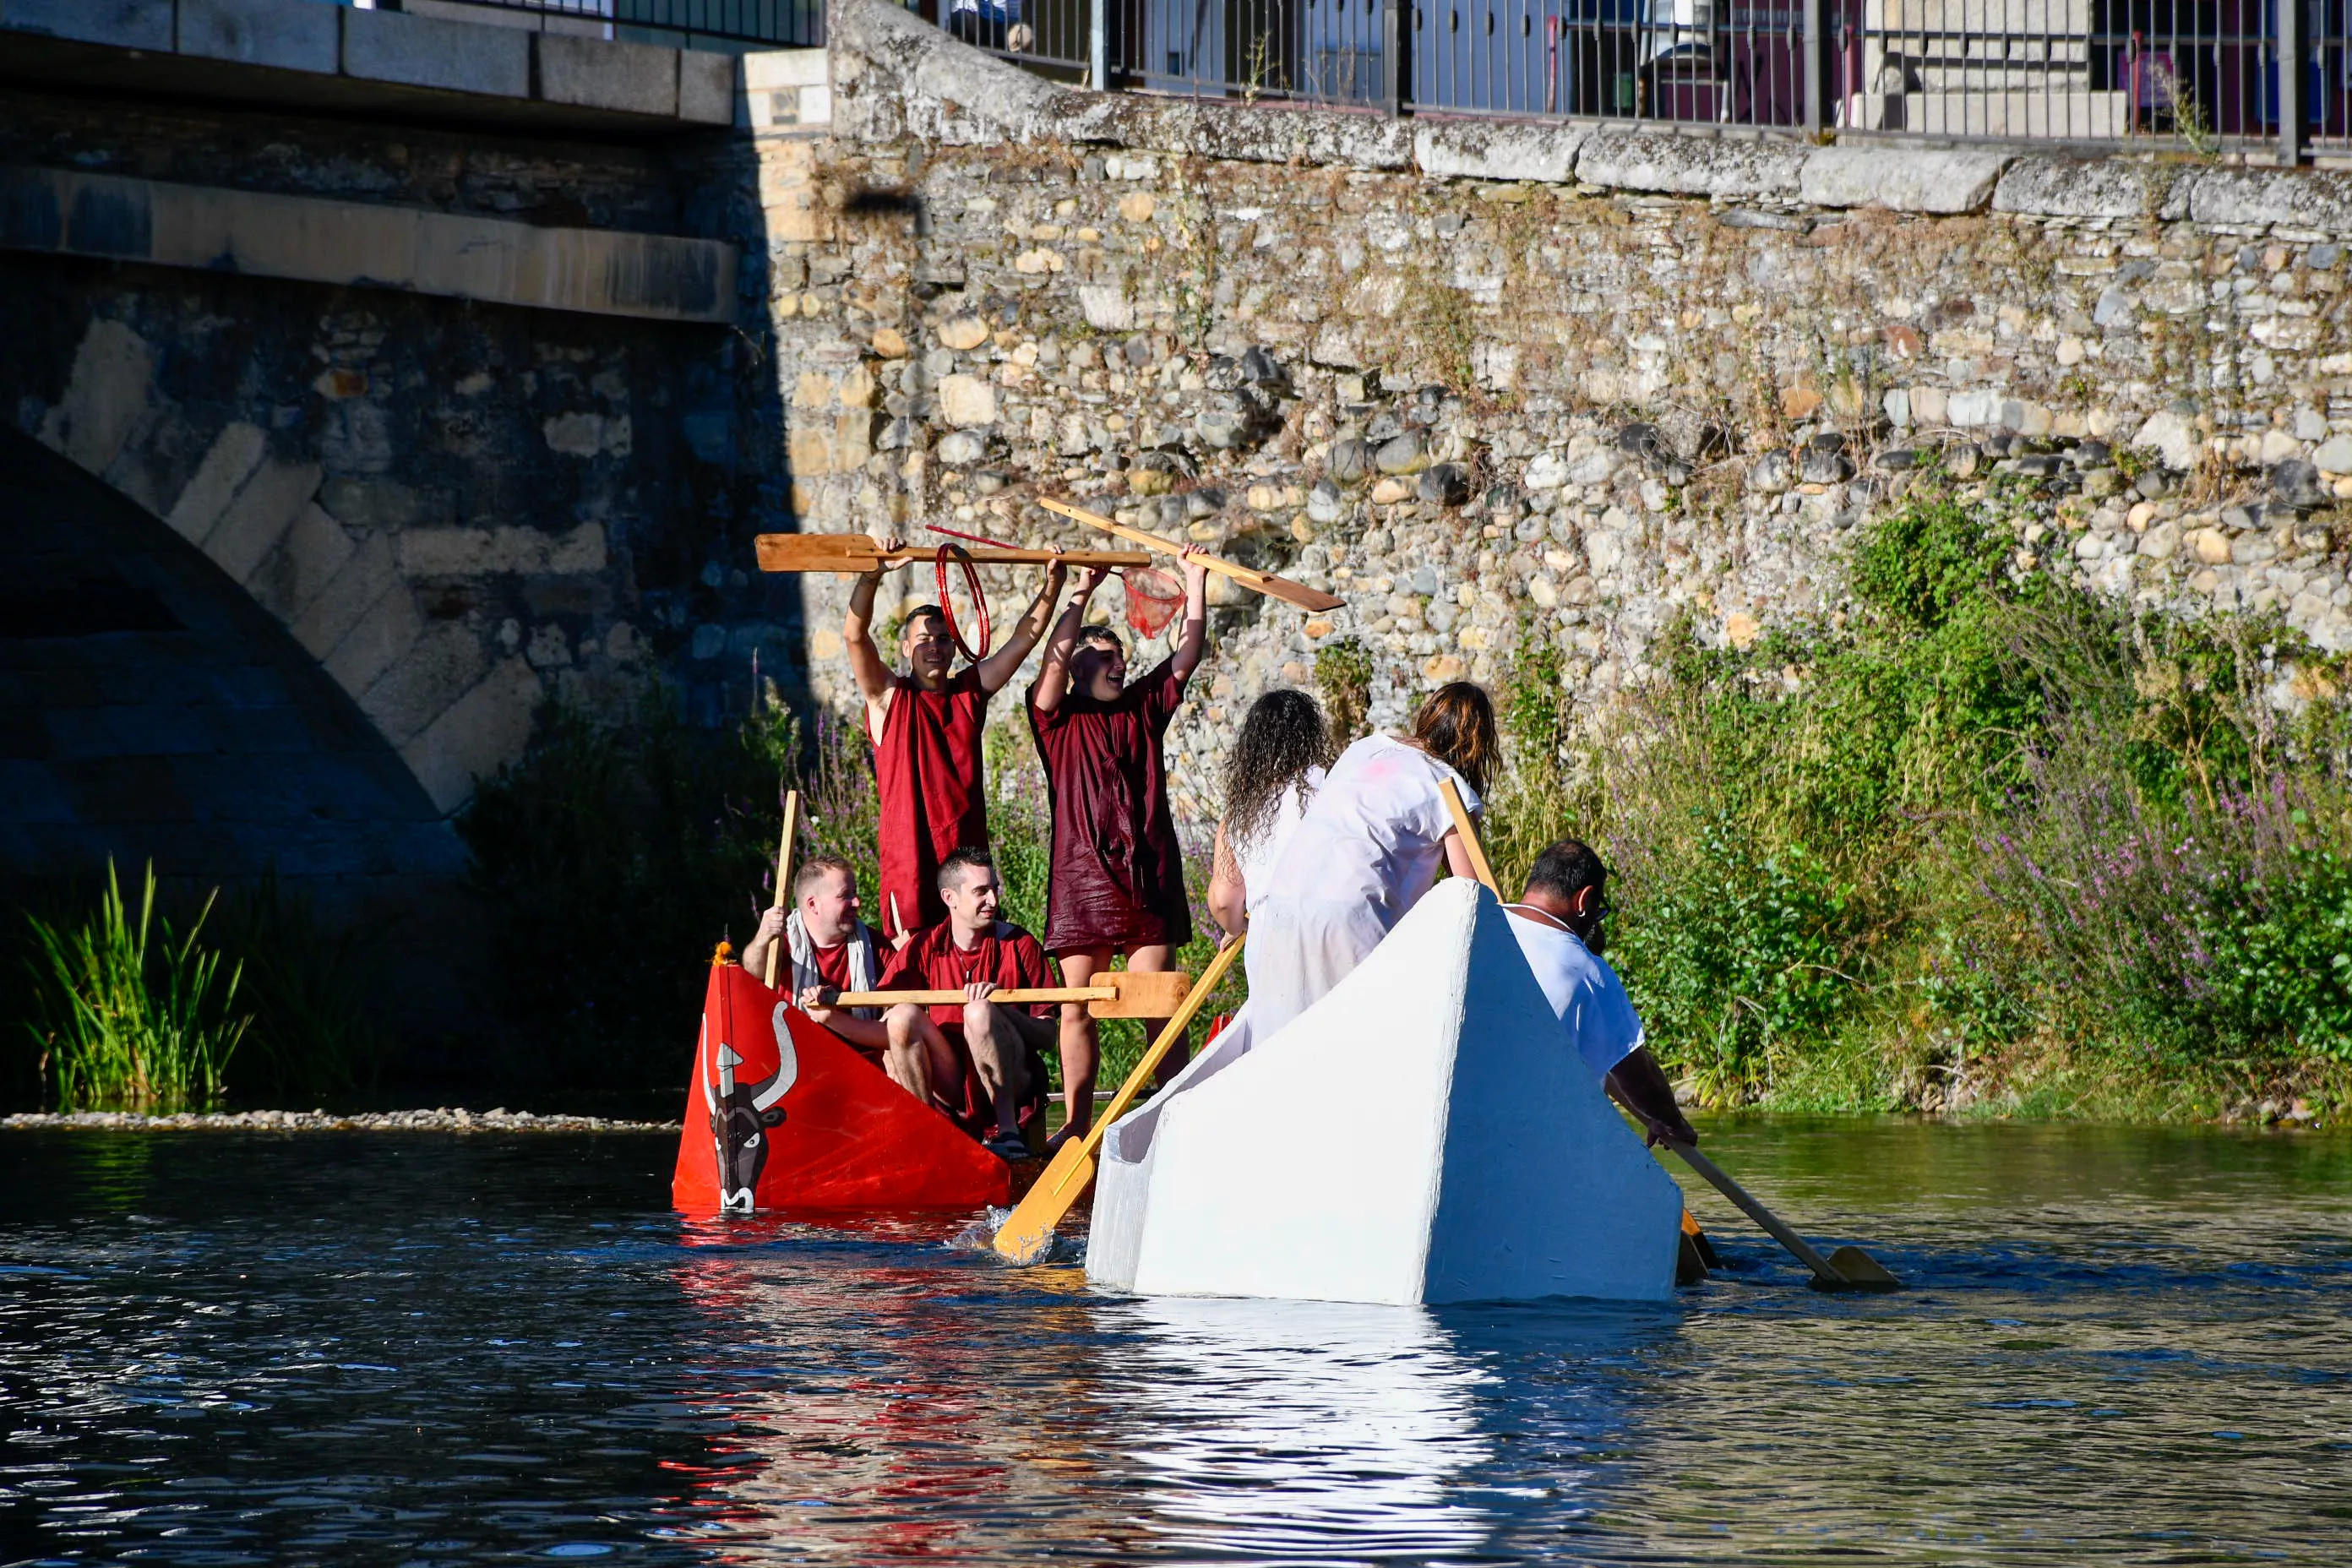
[1373,835]
[1258,860]
[1581,988]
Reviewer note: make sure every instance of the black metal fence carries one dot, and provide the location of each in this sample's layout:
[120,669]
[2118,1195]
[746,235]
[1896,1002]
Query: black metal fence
[729,25]
[2193,74]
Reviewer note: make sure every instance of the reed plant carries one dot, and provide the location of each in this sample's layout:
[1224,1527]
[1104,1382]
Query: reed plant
[130,1014]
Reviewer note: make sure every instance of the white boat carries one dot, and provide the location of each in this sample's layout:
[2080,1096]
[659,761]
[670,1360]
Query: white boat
[1424,1133]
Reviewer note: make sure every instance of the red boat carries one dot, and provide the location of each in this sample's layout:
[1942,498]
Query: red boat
[797,1120]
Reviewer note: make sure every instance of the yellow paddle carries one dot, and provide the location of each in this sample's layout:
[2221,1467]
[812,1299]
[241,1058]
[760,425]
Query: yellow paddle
[783,874]
[1028,1231]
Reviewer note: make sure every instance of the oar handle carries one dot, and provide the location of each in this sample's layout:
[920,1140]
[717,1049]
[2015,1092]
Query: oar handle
[1799,1248]
[1468,832]
[1246,575]
[1011,996]
[784,876]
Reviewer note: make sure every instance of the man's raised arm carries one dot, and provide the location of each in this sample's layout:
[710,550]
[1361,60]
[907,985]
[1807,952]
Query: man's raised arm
[999,666]
[1053,674]
[858,636]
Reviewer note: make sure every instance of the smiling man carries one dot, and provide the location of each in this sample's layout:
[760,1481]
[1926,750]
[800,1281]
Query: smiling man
[926,727]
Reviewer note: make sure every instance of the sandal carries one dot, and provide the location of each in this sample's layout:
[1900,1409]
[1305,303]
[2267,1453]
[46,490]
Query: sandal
[1007,1146]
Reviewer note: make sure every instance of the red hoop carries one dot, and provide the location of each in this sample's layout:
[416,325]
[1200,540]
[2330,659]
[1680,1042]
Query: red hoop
[979,600]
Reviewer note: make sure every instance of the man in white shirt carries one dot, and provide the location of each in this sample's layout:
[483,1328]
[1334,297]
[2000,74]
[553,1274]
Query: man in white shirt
[1558,923]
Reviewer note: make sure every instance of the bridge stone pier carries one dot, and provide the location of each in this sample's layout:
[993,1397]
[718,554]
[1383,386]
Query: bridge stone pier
[374,380]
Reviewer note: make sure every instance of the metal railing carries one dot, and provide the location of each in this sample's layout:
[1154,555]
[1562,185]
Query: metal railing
[2198,75]
[729,25]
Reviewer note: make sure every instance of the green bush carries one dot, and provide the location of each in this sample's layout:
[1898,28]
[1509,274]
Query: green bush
[130,1014]
[2281,955]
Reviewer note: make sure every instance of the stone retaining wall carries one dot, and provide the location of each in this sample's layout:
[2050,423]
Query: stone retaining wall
[1492,383]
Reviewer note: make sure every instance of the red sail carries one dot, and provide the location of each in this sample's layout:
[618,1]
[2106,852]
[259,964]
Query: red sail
[818,1127]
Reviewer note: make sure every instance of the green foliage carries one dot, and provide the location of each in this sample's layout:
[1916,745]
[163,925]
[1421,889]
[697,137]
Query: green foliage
[315,1035]
[2281,956]
[132,1016]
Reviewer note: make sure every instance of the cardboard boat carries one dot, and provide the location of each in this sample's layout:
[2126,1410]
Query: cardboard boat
[782,1114]
[1424,1133]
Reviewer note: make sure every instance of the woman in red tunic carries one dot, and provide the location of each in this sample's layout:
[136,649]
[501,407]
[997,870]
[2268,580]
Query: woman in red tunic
[925,726]
[1117,879]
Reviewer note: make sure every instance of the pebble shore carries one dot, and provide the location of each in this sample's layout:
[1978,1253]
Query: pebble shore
[499,1120]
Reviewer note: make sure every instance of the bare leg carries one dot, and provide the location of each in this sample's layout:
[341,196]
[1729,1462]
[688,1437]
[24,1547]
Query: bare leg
[1157,959]
[905,1055]
[1080,1043]
[993,1038]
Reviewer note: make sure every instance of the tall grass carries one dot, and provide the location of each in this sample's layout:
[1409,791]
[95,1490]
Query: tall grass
[130,1014]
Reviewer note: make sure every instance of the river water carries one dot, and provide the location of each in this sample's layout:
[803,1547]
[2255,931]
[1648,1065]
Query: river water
[2120,1346]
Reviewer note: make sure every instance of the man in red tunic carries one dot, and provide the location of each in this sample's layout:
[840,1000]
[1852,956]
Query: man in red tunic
[926,726]
[978,1060]
[1118,880]
[827,950]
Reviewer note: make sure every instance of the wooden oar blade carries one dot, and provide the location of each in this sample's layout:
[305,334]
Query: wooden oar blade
[1028,1233]
[1298,594]
[1858,1270]
[816,551]
[1142,995]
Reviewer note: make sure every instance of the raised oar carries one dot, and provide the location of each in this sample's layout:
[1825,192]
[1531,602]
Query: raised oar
[1265,582]
[1028,1230]
[1847,1269]
[784,874]
[850,554]
[1121,993]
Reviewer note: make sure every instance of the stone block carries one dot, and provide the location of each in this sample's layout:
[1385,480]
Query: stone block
[1497,149]
[252,524]
[767,69]
[289,35]
[1902,179]
[595,73]
[425,51]
[106,395]
[290,578]
[706,87]
[419,686]
[1690,165]
[2294,198]
[382,633]
[2094,187]
[228,463]
[489,552]
[487,726]
[347,597]
[129,24]
[967,400]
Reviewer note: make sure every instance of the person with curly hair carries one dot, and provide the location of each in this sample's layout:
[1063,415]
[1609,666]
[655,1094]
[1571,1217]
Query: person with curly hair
[1371,842]
[1277,764]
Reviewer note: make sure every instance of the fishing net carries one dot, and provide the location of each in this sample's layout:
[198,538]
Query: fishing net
[1153,598]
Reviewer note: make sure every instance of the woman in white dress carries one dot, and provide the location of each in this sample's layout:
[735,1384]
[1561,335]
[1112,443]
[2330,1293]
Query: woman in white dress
[1275,767]
[1371,842]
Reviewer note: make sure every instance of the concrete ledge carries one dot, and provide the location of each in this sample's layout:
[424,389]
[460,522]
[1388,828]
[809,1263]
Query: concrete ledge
[1691,165]
[636,79]
[263,33]
[2094,187]
[1902,179]
[424,51]
[2300,198]
[706,85]
[130,24]
[1503,150]
[656,277]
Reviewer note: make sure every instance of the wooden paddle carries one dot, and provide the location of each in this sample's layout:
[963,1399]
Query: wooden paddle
[785,875]
[1028,1230]
[1265,582]
[850,554]
[1847,1269]
[1121,994]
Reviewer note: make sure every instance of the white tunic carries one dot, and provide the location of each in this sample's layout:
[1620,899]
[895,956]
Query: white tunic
[1258,859]
[1582,989]
[1370,844]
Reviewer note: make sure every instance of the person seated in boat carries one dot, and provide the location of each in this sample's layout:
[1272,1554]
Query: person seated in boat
[925,726]
[1371,843]
[830,950]
[1116,884]
[1558,921]
[980,1061]
[1277,762]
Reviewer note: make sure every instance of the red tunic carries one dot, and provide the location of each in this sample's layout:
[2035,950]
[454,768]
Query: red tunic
[1118,874]
[1005,954]
[832,965]
[927,770]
